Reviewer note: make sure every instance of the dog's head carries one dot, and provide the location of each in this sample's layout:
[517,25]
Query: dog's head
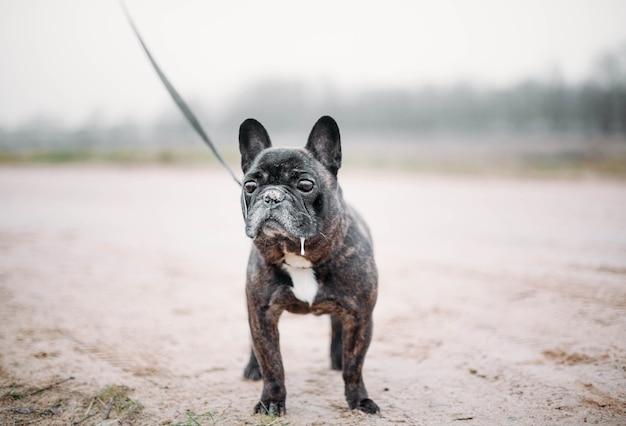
[290,195]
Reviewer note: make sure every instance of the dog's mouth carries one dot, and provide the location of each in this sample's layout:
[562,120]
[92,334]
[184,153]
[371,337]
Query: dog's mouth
[272,223]
[272,229]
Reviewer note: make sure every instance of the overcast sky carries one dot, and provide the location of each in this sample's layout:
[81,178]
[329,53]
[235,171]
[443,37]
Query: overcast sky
[73,60]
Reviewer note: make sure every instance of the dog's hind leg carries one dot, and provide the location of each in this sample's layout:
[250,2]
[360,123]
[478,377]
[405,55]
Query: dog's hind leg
[253,369]
[336,343]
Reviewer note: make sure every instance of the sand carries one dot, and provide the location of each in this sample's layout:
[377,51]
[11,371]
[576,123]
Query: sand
[501,301]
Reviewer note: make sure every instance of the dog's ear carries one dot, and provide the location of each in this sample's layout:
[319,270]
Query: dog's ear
[325,143]
[253,139]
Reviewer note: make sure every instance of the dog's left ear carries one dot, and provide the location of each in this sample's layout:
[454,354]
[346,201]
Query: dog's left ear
[325,143]
[253,139]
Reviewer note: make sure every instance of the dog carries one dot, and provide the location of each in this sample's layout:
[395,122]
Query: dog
[311,253]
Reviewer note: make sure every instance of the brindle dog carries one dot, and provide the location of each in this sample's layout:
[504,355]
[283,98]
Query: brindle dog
[312,253]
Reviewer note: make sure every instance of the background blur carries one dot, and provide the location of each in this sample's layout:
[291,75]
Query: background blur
[516,86]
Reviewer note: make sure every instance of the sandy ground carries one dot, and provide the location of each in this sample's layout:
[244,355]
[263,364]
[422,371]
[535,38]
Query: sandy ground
[502,301]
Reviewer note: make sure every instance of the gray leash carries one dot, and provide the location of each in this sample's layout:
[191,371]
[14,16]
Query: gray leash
[182,105]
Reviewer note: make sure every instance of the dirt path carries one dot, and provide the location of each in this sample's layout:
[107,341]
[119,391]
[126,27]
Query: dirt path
[501,301]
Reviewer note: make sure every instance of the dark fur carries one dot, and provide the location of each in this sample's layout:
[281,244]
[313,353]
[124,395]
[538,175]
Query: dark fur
[338,245]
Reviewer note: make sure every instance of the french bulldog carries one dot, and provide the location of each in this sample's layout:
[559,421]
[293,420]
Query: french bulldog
[311,253]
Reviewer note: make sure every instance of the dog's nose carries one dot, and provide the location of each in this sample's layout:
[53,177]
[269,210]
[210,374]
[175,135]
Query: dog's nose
[273,196]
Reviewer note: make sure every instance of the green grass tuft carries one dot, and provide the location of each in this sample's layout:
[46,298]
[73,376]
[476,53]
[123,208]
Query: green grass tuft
[122,405]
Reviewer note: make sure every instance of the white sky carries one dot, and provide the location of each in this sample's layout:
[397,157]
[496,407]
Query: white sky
[73,60]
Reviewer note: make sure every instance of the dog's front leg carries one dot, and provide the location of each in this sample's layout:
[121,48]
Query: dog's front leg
[264,328]
[357,335]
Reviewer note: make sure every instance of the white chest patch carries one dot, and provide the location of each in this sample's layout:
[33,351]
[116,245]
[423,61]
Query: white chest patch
[302,277]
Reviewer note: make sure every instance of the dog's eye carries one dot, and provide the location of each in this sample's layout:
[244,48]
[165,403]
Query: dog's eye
[250,186]
[305,185]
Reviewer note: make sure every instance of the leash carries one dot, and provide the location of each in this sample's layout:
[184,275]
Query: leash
[180,102]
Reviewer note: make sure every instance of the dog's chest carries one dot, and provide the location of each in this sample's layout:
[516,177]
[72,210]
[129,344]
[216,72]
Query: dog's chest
[302,277]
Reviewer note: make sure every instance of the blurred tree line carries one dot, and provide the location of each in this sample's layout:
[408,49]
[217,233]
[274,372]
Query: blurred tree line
[595,107]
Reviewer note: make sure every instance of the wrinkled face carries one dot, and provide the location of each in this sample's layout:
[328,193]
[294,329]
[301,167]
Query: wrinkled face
[290,195]
[287,194]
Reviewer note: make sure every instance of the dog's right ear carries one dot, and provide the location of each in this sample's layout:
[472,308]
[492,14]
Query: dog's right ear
[253,139]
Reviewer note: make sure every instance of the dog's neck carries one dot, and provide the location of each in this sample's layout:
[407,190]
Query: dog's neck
[296,261]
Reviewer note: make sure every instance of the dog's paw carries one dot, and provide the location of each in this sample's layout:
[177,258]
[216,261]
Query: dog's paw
[270,408]
[252,372]
[367,406]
